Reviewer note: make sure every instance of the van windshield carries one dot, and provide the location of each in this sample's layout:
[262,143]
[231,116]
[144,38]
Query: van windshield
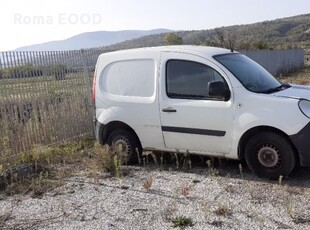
[251,75]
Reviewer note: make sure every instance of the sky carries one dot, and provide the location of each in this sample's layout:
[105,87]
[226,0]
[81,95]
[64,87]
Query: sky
[28,22]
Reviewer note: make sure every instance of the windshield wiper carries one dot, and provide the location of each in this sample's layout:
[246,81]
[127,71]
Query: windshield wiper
[276,89]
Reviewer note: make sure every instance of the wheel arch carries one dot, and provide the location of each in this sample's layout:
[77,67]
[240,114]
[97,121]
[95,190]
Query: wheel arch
[251,132]
[113,125]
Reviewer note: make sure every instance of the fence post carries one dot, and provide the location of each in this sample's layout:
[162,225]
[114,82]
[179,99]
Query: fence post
[88,89]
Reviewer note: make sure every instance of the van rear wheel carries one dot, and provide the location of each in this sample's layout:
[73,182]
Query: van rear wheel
[270,155]
[125,144]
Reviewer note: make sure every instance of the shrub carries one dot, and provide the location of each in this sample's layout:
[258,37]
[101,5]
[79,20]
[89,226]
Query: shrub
[182,221]
[59,71]
[24,71]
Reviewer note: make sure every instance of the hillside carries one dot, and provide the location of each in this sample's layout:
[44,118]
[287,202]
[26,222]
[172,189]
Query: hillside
[279,33]
[91,40]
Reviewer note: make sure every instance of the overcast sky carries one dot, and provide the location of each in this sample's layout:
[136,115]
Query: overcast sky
[27,22]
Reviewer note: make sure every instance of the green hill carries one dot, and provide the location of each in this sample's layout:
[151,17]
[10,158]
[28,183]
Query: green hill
[280,33]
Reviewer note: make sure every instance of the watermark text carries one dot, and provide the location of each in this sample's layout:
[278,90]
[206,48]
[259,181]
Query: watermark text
[60,19]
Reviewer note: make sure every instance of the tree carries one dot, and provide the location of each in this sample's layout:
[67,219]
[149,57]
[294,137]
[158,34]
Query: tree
[173,39]
[260,44]
[223,39]
[244,45]
[227,40]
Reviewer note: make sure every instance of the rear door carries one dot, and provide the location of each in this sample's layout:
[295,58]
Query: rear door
[191,119]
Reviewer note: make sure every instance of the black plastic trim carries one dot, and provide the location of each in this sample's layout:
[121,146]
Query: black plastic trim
[207,132]
[301,140]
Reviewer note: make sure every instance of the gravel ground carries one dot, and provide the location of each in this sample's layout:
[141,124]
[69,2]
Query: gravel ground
[150,198]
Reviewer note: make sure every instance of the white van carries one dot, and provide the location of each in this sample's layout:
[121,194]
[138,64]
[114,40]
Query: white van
[201,100]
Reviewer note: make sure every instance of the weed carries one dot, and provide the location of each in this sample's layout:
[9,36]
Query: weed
[152,154]
[223,210]
[182,221]
[289,207]
[241,170]
[138,155]
[229,188]
[147,184]
[154,158]
[184,190]
[103,158]
[280,180]
[185,157]
[279,186]
[257,217]
[208,162]
[171,208]
[144,161]
[161,160]
[206,210]
[211,170]
[177,159]
[117,166]
[187,163]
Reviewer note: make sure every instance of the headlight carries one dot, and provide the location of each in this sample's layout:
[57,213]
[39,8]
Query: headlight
[304,106]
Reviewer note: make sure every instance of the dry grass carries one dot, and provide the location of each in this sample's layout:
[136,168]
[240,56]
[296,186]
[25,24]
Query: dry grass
[43,168]
[42,110]
[147,184]
[46,167]
[301,77]
[184,190]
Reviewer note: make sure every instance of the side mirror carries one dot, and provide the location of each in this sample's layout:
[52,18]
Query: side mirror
[218,89]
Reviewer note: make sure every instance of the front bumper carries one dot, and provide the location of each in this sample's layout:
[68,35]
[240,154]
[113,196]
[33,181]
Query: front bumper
[301,140]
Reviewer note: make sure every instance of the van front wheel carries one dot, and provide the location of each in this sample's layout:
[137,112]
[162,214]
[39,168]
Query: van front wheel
[125,144]
[270,155]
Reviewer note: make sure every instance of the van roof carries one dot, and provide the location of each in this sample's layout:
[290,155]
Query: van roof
[204,51]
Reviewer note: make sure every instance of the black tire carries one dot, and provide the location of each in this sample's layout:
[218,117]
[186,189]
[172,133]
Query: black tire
[270,155]
[129,144]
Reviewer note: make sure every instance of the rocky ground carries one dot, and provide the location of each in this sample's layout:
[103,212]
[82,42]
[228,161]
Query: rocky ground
[225,196]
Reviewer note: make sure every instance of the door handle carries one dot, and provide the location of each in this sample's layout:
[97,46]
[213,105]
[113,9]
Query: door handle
[169,110]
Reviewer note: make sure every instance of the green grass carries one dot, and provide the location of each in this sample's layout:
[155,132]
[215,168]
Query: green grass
[182,221]
[35,87]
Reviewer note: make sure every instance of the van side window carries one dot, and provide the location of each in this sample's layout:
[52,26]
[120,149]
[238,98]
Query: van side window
[189,80]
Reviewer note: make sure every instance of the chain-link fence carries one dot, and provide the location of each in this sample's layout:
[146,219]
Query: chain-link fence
[45,97]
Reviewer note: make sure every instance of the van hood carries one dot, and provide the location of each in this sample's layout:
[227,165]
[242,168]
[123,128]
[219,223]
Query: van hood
[295,91]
